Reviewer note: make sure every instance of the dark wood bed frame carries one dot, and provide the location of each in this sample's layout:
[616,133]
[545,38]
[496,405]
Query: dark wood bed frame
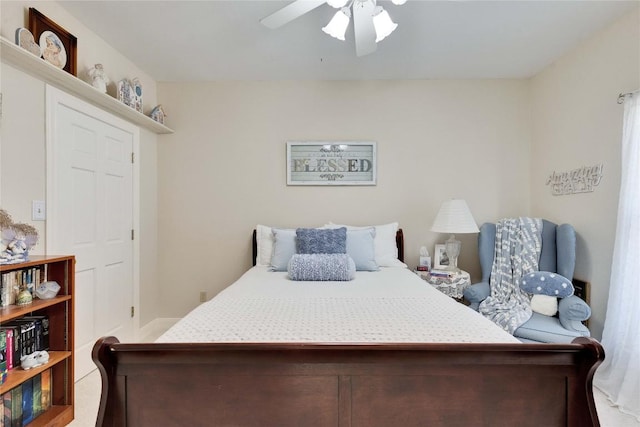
[262,384]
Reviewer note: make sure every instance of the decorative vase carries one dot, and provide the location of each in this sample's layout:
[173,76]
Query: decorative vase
[24,298]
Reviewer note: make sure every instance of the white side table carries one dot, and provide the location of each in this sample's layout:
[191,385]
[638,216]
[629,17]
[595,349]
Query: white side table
[452,286]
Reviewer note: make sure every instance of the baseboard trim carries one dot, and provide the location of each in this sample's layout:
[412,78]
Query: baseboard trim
[155,328]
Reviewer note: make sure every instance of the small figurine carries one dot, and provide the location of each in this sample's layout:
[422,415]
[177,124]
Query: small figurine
[136,87]
[99,78]
[158,114]
[34,359]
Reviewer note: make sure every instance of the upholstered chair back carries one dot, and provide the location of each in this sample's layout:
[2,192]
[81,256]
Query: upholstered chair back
[558,252]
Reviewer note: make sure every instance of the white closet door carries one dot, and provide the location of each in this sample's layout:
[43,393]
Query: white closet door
[91,216]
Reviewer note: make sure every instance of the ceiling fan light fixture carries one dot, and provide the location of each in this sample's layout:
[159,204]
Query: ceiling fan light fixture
[398,2]
[337,4]
[337,27]
[383,24]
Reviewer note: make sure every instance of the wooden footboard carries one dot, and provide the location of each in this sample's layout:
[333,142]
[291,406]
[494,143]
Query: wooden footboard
[347,385]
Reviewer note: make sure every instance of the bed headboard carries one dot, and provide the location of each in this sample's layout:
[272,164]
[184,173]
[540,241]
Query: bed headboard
[399,244]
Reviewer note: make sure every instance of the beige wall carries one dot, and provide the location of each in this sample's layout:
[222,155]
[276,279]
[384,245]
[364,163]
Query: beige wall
[22,136]
[224,170]
[577,122]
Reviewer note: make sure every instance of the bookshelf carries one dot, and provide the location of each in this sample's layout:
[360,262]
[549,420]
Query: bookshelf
[59,311]
[21,59]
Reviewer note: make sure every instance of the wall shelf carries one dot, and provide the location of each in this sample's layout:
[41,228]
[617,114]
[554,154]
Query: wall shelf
[14,55]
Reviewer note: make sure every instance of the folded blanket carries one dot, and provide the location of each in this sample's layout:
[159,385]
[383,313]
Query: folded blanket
[517,251]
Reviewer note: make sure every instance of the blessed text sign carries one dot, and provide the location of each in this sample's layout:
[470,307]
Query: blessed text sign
[331,163]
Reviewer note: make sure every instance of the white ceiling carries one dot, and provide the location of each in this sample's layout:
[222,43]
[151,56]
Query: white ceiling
[221,40]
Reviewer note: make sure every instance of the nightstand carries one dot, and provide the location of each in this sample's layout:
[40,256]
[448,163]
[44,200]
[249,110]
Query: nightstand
[451,286]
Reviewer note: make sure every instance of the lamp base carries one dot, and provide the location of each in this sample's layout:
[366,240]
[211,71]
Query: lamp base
[452,248]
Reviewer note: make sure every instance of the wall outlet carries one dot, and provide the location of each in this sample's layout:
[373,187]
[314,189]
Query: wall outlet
[203,296]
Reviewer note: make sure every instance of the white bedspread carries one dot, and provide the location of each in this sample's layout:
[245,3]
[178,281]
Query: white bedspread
[388,306]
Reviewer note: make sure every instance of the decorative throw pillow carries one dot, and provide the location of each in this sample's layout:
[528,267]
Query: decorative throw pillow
[264,245]
[384,242]
[321,240]
[546,283]
[544,304]
[360,247]
[321,267]
[284,247]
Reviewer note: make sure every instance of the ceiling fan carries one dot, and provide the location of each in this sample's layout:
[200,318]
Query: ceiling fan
[371,23]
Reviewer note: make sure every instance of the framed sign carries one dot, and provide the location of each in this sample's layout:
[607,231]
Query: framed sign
[331,163]
[57,46]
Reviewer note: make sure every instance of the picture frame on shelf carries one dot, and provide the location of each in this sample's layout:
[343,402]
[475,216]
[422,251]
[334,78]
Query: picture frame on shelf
[440,258]
[57,46]
[331,163]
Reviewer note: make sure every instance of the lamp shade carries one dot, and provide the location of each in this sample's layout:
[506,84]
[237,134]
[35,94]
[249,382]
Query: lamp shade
[337,27]
[383,24]
[454,217]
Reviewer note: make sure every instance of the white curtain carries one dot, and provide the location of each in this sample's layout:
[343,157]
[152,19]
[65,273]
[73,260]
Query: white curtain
[619,375]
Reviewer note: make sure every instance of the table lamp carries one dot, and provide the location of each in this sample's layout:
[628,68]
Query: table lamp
[454,217]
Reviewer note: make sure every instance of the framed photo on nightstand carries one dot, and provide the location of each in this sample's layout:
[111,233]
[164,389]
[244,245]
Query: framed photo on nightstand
[440,258]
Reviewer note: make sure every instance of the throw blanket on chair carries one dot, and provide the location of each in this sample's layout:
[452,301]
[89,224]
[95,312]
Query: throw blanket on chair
[517,251]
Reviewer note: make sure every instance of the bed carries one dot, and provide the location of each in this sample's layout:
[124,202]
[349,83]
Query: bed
[379,350]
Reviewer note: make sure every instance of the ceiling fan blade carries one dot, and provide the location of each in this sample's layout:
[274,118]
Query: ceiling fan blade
[290,12]
[365,33]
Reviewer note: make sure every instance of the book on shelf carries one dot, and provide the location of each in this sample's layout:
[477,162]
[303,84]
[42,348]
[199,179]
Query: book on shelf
[26,331]
[14,345]
[25,402]
[12,282]
[9,348]
[6,409]
[37,395]
[441,273]
[16,406]
[41,331]
[45,388]
[26,335]
[3,357]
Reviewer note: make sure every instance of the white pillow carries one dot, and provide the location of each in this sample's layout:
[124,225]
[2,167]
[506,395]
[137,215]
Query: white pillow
[264,240]
[544,304]
[384,243]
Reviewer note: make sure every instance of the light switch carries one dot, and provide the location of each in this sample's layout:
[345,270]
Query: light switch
[38,210]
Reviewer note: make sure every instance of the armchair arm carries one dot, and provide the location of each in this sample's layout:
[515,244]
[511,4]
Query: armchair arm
[476,293]
[571,312]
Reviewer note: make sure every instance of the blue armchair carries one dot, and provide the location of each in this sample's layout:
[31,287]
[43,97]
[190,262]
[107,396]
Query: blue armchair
[558,255]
